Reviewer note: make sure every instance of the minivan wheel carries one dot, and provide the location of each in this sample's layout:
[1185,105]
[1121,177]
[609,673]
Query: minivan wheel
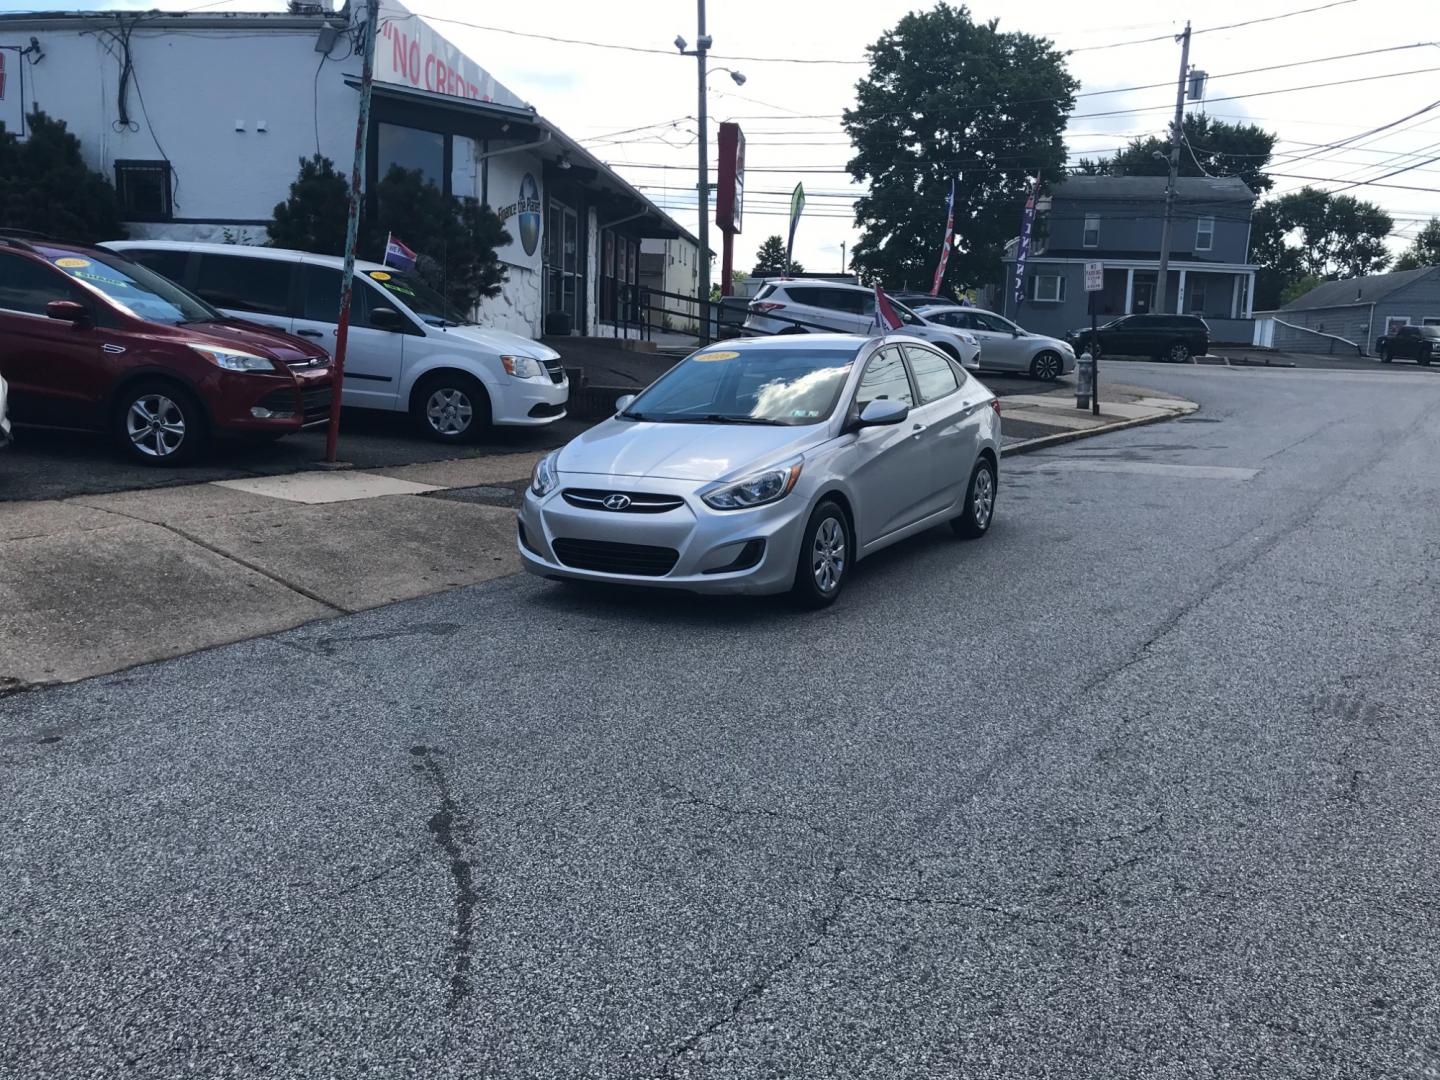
[158,422]
[1179,353]
[979,511]
[825,557]
[451,407]
[1046,366]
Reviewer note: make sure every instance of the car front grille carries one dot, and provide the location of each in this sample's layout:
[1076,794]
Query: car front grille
[639,503]
[309,362]
[606,557]
[556,370]
[317,403]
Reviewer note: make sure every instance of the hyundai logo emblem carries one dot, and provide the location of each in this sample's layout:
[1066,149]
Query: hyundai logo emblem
[616,502]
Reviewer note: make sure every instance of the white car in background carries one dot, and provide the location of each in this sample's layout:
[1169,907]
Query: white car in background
[1003,345]
[808,307]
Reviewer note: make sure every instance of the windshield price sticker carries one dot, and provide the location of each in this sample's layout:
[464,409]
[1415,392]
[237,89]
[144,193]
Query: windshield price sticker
[69,263]
[710,357]
[379,275]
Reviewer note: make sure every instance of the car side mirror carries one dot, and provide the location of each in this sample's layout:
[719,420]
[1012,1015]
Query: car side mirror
[882,412]
[623,402]
[386,318]
[1015,332]
[68,311]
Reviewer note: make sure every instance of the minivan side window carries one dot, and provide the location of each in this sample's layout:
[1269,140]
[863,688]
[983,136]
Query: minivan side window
[320,296]
[242,283]
[165,262]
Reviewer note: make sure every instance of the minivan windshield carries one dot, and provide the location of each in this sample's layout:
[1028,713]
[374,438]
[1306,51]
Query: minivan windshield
[138,289]
[412,290]
[769,385]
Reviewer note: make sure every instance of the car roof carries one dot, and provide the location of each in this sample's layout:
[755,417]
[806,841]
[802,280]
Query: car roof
[251,250]
[811,283]
[788,342]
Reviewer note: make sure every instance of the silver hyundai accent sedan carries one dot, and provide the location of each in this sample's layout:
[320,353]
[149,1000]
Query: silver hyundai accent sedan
[762,465]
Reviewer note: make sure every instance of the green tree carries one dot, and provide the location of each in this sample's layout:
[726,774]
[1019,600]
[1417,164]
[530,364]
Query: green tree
[1312,232]
[770,259]
[1424,250]
[947,98]
[1210,148]
[313,217]
[46,187]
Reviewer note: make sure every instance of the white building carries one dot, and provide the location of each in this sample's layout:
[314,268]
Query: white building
[201,120]
[671,266]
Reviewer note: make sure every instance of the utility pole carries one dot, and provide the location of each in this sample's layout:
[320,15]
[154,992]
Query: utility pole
[352,226]
[702,46]
[842,256]
[1162,277]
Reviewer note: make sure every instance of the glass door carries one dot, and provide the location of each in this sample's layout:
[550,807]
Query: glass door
[562,262]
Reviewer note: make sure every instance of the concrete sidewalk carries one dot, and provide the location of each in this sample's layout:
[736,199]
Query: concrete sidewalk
[96,583]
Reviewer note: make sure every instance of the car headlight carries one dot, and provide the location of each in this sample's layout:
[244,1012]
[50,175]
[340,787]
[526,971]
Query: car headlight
[233,359]
[545,477]
[969,339]
[524,367]
[754,490]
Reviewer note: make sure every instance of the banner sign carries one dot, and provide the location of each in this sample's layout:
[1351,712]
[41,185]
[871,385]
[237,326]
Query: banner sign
[1022,251]
[409,52]
[513,186]
[797,207]
[730,188]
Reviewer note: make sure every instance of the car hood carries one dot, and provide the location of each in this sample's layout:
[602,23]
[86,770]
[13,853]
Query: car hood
[253,338]
[700,452]
[502,341]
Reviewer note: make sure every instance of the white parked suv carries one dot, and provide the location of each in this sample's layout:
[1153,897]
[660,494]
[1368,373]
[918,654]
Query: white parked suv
[409,350]
[803,307]
[1005,346]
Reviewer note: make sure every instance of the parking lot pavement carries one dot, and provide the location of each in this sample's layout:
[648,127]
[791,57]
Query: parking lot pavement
[61,464]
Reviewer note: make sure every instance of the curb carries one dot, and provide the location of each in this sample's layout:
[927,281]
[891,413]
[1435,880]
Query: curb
[1045,441]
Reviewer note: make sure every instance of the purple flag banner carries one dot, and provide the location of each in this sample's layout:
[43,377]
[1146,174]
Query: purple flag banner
[1022,251]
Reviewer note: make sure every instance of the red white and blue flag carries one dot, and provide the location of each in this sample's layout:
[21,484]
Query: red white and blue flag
[397,254]
[945,244]
[885,316]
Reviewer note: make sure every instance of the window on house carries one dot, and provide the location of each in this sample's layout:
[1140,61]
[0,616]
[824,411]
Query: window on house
[1040,236]
[1195,297]
[1092,231]
[1205,234]
[1047,288]
[411,148]
[143,189]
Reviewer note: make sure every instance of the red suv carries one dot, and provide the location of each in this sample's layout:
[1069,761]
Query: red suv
[91,340]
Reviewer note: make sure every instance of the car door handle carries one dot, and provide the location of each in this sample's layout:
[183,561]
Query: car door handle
[309,333]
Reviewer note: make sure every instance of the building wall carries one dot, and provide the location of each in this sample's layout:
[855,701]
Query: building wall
[1420,300]
[1136,225]
[1044,316]
[678,273]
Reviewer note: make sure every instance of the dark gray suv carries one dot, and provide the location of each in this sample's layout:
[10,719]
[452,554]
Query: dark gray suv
[1176,338]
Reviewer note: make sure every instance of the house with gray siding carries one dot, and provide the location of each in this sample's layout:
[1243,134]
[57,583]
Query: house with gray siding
[1353,313]
[1117,220]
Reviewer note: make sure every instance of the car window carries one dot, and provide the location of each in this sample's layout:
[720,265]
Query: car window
[960,320]
[985,321]
[165,262]
[765,290]
[908,317]
[934,377]
[884,379]
[242,283]
[320,297]
[27,286]
[133,287]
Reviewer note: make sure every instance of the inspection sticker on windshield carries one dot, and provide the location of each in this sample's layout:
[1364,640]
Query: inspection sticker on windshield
[705,358]
[71,263]
[379,275]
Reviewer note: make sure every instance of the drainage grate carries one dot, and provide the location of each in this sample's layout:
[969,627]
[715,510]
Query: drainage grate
[1199,420]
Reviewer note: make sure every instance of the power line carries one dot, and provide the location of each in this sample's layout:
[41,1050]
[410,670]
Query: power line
[1213,29]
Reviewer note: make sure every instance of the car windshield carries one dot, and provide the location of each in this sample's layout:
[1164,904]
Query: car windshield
[413,291]
[770,385]
[138,289]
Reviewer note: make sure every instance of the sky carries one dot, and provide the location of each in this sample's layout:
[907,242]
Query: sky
[636,110]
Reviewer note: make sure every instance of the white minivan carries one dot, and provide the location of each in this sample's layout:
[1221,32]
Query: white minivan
[409,350]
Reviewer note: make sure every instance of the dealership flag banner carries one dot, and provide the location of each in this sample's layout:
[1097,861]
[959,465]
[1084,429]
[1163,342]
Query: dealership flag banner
[797,205]
[397,254]
[945,244]
[1022,251]
[885,315]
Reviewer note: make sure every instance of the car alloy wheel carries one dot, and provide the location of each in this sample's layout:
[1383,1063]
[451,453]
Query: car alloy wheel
[982,503]
[979,508]
[449,412]
[155,425]
[1179,353]
[1046,367]
[828,555]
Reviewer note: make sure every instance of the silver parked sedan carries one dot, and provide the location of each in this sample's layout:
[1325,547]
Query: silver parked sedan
[765,464]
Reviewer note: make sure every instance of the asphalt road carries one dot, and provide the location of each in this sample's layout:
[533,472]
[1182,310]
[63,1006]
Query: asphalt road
[1144,784]
[59,464]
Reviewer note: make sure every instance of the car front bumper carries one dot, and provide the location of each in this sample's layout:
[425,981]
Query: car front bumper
[530,402]
[705,543]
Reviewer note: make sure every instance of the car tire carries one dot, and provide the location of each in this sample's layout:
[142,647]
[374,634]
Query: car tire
[1178,353]
[827,552]
[1423,361]
[979,510]
[1384,356]
[451,407]
[159,423]
[1046,366]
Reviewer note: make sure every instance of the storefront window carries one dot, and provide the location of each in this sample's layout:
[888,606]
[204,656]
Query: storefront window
[619,276]
[412,148]
[562,261]
[464,167]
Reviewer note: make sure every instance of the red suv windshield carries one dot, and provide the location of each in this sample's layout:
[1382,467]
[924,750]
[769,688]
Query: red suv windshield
[138,290]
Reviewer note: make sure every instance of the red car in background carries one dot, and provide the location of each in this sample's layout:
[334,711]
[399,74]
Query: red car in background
[90,340]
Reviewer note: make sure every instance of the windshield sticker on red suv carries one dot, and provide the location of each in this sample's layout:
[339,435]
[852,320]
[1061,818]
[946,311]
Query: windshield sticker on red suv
[71,263]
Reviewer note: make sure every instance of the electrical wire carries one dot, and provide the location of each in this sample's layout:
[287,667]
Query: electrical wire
[1213,29]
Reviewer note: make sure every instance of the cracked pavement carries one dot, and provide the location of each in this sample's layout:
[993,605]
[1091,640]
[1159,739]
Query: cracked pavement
[1145,784]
